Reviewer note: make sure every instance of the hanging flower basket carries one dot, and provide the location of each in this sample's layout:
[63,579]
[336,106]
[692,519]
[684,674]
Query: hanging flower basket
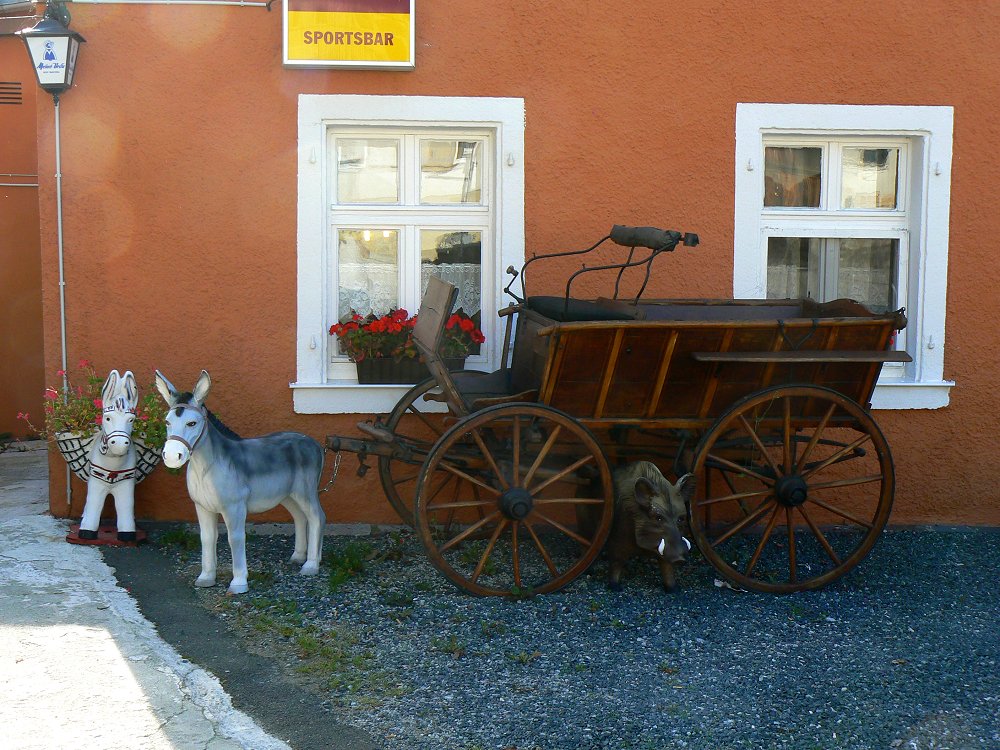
[387,371]
[75,449]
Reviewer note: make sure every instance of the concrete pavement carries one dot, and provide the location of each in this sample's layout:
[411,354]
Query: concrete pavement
[80,667]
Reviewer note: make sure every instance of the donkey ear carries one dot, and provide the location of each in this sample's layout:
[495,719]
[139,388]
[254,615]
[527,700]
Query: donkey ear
[166,389]
[202,386]
[130,389]
[110,387]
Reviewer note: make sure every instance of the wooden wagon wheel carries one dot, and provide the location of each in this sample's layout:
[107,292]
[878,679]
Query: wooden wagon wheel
[526,510]
[419,424]
[795,486]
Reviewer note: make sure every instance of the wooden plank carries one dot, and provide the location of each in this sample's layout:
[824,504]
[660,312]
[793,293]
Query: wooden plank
[661,375]
[609,373]
[818,356]
[712,383]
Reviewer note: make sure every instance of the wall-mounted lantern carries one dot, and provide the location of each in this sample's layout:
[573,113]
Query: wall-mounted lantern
[53,49]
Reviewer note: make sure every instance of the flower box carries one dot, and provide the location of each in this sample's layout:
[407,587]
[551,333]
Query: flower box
[387,371]
[75,449]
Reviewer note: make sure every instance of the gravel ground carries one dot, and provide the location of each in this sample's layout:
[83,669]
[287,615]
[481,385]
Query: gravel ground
[903,652]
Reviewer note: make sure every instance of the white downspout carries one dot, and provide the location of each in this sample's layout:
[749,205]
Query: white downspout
[62,279]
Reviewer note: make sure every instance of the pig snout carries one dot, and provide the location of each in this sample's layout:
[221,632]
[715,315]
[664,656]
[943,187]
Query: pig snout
[674,551]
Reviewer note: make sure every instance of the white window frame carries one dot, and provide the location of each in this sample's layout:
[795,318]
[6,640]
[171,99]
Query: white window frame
[929,133]
[313,391]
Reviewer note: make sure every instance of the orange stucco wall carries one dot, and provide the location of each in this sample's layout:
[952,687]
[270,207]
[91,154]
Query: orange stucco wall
[21,361]
[179,162]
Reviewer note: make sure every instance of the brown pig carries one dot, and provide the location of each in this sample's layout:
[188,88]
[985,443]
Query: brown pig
[648,514]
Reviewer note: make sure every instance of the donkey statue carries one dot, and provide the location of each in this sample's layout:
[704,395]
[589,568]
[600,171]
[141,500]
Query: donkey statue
[112,459]
[233,476]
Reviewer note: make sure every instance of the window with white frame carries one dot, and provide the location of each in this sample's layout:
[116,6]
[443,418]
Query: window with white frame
[407,205]
[393,190]
[851,201]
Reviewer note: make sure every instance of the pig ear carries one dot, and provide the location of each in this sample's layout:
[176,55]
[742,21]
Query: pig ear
[686,486]
[644,492]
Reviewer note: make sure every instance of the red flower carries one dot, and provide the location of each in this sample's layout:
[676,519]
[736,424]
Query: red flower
[466,325]
[22,415]
[98,403]
[51,394]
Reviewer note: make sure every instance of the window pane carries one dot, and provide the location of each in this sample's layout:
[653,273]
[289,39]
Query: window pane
[450,171]
[455,257]
[368,265]
[794,267]
[867,272]
[367,170]
[870,177]
[825,269]
[792,176]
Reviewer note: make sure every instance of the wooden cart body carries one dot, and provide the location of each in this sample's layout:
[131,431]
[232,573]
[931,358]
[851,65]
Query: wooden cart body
[774,393]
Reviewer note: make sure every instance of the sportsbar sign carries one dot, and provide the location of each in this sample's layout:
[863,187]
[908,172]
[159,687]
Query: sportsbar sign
[348,33]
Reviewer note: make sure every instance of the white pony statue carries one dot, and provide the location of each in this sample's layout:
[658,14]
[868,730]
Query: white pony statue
[112,460]
[233,476]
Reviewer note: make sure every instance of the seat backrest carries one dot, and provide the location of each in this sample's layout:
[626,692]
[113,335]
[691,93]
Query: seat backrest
[435,309]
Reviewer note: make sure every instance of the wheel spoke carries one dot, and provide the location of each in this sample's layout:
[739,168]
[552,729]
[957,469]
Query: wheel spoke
[738,469]
[396,481]
[787,435]
[564,529]
[760,445]
[748,521]
[516,449]
[791,544]
[841,513]
[573,500]
[836,456]
[542,454]
[816,435]
[763,541]
[489,549]
[423,418]
[541,549]
[488,455]
[460,504]
[819,535]
[846,482]
[560,474]
[515,553]
[461,474]
[468,532]
[735,496]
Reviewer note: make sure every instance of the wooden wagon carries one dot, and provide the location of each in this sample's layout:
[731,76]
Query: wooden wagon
[506,476]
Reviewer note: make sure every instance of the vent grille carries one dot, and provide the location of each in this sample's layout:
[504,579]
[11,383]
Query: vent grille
[10,92]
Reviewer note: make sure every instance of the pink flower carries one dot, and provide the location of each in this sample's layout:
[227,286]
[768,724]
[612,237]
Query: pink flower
[98,403]
[51,394]
[83,363]
[22,415]
[60,373]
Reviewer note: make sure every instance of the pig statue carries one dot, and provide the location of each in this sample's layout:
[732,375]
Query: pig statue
[648,513]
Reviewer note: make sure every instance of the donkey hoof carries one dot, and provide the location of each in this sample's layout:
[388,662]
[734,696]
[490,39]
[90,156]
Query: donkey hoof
[204,582]
[309,569]
[297,558]
[87,534]
[238,588]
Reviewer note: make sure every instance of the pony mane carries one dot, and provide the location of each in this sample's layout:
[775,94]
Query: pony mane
[222,427]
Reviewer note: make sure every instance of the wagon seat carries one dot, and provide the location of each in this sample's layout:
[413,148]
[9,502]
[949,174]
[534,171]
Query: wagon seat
[469,391]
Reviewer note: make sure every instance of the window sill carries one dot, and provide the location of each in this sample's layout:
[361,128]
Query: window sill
[345,397]
[923,395]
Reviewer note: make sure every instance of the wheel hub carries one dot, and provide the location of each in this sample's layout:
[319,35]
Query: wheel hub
[791,490]
[516,503]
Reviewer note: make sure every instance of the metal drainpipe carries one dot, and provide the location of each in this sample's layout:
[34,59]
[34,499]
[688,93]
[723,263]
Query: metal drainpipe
[62,278]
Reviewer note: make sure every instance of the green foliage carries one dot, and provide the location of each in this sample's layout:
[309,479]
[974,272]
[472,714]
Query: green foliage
[348,563]
[183,538]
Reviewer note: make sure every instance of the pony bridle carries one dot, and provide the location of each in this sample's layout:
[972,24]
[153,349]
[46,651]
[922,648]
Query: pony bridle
[204,425]
[106,437]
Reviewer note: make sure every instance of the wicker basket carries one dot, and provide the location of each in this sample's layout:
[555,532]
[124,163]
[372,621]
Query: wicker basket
[75,449]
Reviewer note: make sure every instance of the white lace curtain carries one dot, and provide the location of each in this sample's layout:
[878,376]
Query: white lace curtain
[374,287]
